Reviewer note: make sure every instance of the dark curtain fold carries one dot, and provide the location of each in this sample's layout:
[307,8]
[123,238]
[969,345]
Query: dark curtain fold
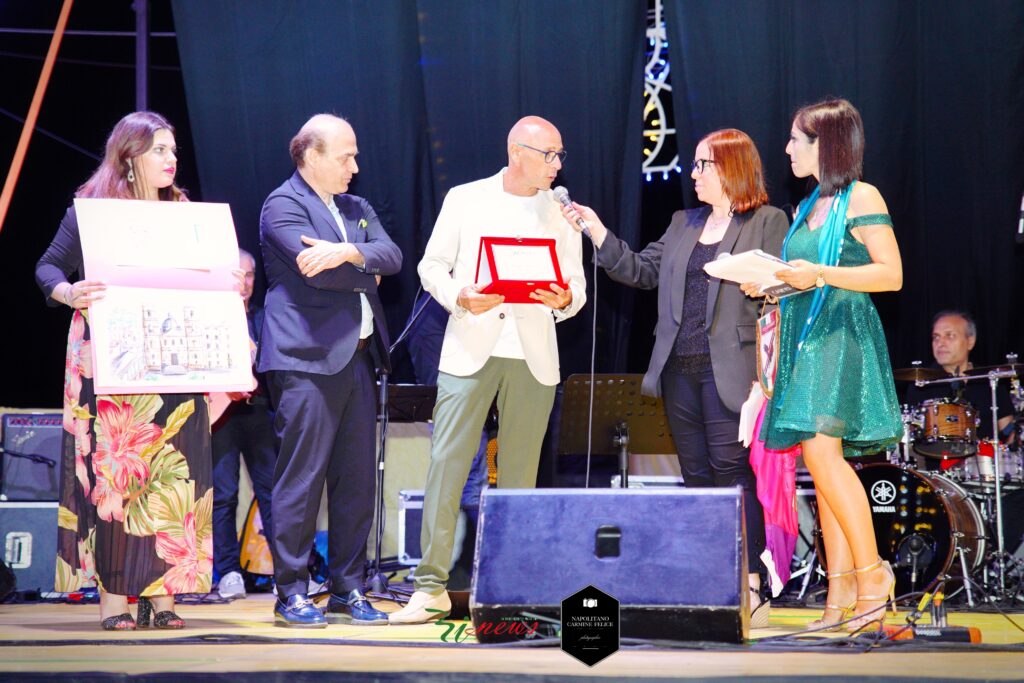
[255,71]
[940,86]
[431,88]
[486,64]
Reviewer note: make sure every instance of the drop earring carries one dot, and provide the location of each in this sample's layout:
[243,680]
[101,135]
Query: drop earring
[131,173]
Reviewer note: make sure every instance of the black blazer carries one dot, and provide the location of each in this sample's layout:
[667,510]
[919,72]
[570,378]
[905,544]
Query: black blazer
[311,324]
[731,315]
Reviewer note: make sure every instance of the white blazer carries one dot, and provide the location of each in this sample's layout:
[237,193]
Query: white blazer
[483,208]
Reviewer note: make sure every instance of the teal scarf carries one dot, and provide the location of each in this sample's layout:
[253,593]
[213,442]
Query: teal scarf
[830,248]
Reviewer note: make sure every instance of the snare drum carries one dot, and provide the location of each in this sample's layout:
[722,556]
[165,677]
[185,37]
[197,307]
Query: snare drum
[980,471]
[949,431]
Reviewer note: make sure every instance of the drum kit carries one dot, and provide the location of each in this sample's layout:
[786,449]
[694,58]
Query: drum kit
[937,499]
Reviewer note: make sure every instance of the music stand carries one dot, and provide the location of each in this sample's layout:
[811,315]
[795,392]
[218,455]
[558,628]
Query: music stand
[411,402]
[624,420]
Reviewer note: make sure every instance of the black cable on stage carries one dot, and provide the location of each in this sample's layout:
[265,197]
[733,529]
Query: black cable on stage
[838,625]
[993,603]
[593,356]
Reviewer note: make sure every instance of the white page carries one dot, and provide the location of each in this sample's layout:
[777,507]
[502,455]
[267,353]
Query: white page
[523,262]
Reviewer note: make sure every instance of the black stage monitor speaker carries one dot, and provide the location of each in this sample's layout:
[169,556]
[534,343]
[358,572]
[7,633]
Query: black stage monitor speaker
[30,470]
[673,558]
[28,541]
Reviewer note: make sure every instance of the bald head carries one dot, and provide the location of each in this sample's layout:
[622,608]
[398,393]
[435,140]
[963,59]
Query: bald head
[530,144]
[248,265]
[324,151]
[531,128]
[315,134]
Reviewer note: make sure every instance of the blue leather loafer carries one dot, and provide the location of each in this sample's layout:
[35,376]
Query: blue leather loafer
[354,609]
[298,611]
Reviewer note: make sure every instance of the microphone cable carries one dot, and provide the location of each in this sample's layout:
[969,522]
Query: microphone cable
[593,356]
[412,320]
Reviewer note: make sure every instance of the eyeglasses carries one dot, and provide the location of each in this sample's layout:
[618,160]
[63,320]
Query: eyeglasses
[548,156]
[699,165]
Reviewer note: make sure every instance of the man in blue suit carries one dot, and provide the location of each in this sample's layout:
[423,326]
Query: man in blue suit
[324,335]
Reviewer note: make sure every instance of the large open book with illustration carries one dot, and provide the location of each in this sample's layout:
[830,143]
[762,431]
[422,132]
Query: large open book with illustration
[172,319]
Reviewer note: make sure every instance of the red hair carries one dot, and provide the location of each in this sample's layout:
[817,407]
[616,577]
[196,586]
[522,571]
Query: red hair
[739,167]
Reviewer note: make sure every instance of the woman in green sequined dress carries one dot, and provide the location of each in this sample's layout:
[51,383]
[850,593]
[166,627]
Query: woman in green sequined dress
[834,392]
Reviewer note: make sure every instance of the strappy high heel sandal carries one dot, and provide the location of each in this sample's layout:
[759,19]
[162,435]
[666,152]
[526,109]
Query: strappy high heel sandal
[844,612]
[760,615]
[121,622]
[166,619]
[888,600]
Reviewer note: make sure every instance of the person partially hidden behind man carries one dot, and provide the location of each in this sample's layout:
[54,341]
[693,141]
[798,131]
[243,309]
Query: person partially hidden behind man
[324,336]
[245,430]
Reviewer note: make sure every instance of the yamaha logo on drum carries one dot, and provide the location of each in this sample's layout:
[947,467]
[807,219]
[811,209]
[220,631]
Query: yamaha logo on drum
[883,493]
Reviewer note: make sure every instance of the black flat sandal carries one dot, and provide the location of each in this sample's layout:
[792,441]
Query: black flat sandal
[166,619]
[122,622]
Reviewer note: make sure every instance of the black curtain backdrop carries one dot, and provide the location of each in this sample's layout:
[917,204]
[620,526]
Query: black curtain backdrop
[254,72]
[940,86]
[431,88]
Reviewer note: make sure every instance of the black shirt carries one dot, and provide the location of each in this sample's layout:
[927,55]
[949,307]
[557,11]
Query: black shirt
[691,352]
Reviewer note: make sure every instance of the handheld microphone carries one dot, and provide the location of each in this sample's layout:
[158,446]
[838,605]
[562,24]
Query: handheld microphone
[562,195]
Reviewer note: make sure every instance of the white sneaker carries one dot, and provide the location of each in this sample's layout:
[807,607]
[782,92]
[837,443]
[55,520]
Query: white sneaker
[416,610]
[231,586]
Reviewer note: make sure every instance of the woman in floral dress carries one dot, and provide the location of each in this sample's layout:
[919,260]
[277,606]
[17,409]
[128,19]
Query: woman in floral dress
[136,487]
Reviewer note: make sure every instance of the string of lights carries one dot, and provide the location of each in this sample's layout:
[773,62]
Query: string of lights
[661,154]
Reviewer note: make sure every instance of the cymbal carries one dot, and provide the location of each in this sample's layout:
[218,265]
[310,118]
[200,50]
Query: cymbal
[1017,368]
[917,374]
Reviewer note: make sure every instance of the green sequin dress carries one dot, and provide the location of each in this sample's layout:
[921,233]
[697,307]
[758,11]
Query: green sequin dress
[840,384]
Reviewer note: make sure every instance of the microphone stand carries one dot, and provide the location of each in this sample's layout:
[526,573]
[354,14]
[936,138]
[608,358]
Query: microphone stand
[993,380]
[375,578]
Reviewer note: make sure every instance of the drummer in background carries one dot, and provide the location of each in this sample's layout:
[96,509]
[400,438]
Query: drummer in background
[953,336]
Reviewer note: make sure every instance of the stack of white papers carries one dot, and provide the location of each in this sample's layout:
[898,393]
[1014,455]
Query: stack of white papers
[754,266]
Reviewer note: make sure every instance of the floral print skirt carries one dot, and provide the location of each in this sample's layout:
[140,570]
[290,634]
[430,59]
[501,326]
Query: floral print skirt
[136,492]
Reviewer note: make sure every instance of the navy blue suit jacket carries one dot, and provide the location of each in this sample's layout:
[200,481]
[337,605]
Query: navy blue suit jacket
[311,324]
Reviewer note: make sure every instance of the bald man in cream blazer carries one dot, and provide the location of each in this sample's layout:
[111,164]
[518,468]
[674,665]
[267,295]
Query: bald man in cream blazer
[492,348]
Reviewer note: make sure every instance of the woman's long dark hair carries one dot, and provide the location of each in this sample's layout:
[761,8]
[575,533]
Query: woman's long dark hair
[131,138]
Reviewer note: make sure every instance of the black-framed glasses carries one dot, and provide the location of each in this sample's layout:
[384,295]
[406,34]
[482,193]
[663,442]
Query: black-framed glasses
[548,156]
[699,165]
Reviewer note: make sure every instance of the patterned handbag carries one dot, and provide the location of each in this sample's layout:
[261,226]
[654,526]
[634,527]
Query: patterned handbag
[768,348]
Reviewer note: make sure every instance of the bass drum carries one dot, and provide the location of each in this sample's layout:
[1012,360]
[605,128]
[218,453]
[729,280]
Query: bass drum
[921,520]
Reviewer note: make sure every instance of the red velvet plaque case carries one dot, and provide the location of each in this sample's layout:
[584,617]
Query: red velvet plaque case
[506,255]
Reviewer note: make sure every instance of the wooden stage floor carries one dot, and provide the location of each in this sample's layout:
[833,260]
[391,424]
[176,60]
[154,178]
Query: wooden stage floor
[64,642]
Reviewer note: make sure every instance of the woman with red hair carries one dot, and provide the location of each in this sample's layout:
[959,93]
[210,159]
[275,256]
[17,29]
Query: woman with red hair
[703,361]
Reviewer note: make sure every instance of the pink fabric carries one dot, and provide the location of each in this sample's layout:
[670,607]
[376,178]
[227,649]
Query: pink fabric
[776,489]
